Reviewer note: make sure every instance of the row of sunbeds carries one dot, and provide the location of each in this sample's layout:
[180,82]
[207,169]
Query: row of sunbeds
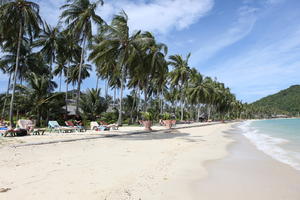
[27,126]
[103,126]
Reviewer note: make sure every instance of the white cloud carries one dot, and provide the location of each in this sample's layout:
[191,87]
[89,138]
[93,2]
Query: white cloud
[159,16]
[155,15]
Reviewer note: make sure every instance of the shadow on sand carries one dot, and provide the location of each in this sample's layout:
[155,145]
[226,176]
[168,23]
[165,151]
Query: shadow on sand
[157,135]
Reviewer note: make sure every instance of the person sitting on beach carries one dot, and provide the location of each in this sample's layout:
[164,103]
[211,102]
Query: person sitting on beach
[30,126]
[78,120]
[161,122]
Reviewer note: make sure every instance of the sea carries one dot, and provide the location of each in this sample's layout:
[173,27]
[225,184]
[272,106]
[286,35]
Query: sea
[278,138]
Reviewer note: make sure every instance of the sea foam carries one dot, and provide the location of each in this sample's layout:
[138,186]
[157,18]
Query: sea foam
[270,145]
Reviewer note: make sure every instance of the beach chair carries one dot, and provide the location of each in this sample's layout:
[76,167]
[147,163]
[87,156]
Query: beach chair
[26,124]
[30,127]
[54,126]
[13,132]
[95,126]
[70,124]
[111,126]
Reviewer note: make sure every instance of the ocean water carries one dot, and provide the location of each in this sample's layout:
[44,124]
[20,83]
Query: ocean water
[278,138]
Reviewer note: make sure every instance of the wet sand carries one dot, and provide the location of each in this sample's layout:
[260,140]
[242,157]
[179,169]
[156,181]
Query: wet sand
[247,174]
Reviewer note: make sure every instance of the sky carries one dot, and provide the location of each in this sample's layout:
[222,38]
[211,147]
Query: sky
[253,46]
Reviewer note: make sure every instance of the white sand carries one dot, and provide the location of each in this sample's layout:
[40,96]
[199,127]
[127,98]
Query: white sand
[146,166]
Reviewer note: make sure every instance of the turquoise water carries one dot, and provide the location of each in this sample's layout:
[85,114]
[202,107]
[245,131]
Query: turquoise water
[278,138]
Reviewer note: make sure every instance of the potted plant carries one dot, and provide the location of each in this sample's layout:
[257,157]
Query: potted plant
[147,120]
[167,120]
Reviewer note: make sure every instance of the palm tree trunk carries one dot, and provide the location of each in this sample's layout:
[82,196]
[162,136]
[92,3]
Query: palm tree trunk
[6,95]
[132,108]
[176,108]
[114,101]
[97,82]
[209,111]
[79,75]
[161,103]
[198,113]
[67,88]
[181,106]
[38,123]
[145,99]
[15,76]
[138,104]
[60,77]
[106,89]
[121,96]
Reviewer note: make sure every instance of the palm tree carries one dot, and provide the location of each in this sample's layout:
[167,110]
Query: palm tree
[49,41]
[118,49]
[79,15]
[24,16]
[5,69]
[68,52]
[180,75]
[74,70]
[151,69]
[39,90]
[198,91]
[60,69]
[92,104]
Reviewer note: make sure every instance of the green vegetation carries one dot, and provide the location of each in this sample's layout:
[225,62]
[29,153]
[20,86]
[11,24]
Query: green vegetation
[134,63]
[284,102]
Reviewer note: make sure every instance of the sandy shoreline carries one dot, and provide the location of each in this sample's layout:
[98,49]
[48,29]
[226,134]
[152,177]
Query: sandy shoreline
[247,173]
[210,162]
[142,166]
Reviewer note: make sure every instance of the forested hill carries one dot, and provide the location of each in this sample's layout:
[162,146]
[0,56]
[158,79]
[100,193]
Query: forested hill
[287,100]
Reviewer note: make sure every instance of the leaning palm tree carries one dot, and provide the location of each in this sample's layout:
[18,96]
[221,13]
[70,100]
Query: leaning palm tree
[23,16]
[79,15]
[180,76]
[118,49]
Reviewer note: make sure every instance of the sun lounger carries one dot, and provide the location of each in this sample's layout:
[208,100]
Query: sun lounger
[95,126]
[111,126]
[38,131]
[14,132]
[30,127]
[54,126]
[26,124]
[70,124]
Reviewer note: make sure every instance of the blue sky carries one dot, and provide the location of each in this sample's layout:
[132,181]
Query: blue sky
[253,46]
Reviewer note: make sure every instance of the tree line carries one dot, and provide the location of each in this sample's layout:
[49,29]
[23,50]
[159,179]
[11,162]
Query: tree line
[34,53]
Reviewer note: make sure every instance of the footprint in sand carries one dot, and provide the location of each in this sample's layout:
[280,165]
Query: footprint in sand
[2,190]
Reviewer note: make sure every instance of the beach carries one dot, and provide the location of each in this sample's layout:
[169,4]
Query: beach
[142,166]
[247,173]
[207,162]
